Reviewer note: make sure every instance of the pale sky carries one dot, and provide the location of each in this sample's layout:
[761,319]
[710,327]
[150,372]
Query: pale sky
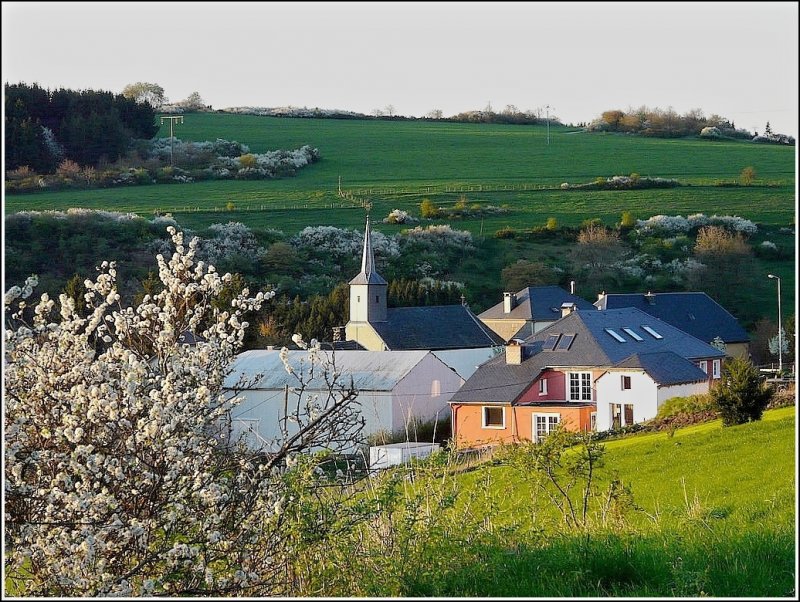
[738,60]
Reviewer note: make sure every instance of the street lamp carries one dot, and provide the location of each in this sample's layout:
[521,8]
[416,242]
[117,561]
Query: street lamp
[172,119]
[547,112]
[780,326]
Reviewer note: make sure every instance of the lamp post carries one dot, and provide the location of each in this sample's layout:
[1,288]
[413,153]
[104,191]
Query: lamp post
[547,112]
[172,119]
[780,326]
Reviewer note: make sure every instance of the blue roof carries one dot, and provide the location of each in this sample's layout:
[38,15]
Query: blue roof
[695,313]
[592,346]
[434,327]
[538,303]
[665,367]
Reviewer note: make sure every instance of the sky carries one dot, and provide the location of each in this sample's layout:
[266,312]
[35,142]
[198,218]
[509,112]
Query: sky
[738,60]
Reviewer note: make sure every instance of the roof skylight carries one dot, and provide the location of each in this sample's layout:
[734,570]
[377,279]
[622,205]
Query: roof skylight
[565,342]
[616,335]
[550,342]
[633,335]
[652,332]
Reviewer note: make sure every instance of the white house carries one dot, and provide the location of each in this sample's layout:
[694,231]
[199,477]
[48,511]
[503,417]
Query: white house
[393,386]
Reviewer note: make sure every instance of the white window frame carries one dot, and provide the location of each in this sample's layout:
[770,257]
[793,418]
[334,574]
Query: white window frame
[717,369]
[546,416]
[492,426]
[543,386]
[703,365]
[582,377]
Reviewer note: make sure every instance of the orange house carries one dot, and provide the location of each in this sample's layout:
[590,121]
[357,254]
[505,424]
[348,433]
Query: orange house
[533,412]
[560,376]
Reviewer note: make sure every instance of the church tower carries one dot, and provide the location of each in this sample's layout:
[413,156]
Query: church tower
[368,288]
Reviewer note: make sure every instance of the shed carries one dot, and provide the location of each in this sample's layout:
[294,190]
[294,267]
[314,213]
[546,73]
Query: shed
[395,454]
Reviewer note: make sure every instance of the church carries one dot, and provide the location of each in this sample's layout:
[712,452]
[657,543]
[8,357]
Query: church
[376,327]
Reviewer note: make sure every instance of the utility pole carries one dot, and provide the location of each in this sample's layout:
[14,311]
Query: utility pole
[780,326]
[547,108]
[172,119]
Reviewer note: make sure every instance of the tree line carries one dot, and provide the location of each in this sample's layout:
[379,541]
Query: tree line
[44,127]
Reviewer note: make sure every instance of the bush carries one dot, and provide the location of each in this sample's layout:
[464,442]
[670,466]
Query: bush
[506,232]
[552,224]
[692,404]
[741,395]
[429,209]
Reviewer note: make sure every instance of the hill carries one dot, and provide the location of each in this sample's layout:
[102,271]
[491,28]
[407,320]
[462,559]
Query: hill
[711,513]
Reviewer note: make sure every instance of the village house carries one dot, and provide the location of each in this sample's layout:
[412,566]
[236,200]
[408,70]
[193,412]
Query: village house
[393,387]
[692,312]
[530,310]
[589,370]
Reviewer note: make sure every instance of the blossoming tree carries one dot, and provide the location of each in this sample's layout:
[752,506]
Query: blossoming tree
[119,478]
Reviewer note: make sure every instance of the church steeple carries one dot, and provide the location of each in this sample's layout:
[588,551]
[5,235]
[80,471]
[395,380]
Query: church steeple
[368,275]
[368,288]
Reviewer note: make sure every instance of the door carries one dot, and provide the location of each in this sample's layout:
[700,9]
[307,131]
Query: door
[543,423]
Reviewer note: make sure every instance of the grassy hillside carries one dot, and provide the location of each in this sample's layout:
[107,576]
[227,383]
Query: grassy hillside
[395,164]
[714,514]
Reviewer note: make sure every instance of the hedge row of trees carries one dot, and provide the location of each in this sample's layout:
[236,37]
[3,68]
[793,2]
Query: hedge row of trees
[44,127]
[664,123]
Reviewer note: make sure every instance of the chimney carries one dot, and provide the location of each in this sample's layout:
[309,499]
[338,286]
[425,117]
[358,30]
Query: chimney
[509,302]
[601,295]
[651,298]
[514,352]
[270,347]
[567,308]
[571,287]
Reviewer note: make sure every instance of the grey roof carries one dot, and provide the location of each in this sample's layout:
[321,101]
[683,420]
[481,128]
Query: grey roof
[538,303]
[592,347]
[367,275]
[465,361]
[434,327]
[695,313]
[371,370]
[665,367]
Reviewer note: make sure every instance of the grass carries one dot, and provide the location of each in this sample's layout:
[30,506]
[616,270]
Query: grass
[721,505]
[396,164]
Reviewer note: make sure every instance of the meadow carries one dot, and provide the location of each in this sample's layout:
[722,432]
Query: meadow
[396,164]
[713,514]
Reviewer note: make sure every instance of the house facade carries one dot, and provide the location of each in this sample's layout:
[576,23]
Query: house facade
[693,312]
[590,370]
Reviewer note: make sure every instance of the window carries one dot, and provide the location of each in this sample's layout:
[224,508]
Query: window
[543,387]
[436,388]
[377,298]
[565,342]
[616,335]
[358,298]
[703,366]
[652,332]
[494,417]
[550,342]
[717,368]
[580,386]
[626,382]
[632,334]
[621,415]
[628,409]
[543,424]
[593,421]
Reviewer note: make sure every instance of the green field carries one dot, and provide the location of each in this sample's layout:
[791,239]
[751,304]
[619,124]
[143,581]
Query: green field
[714,516]
[396,163]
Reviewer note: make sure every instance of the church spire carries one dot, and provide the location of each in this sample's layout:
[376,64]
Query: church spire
[368,275]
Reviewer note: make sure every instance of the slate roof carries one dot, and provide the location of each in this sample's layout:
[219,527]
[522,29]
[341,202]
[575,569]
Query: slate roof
[592,347]
[538,303]
[695,313]
[434,327]
[371,370]
[465,361]
[665,367]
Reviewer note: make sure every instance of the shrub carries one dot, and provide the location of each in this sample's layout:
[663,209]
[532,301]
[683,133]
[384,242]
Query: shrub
[429,209]
[506,232]
[398,216]
[747,176]
[710,132]
[552,224]
[741,395]
[627,220]
[691,404]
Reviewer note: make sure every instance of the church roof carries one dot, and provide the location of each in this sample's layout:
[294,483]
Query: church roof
[434,327]
[368,275]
